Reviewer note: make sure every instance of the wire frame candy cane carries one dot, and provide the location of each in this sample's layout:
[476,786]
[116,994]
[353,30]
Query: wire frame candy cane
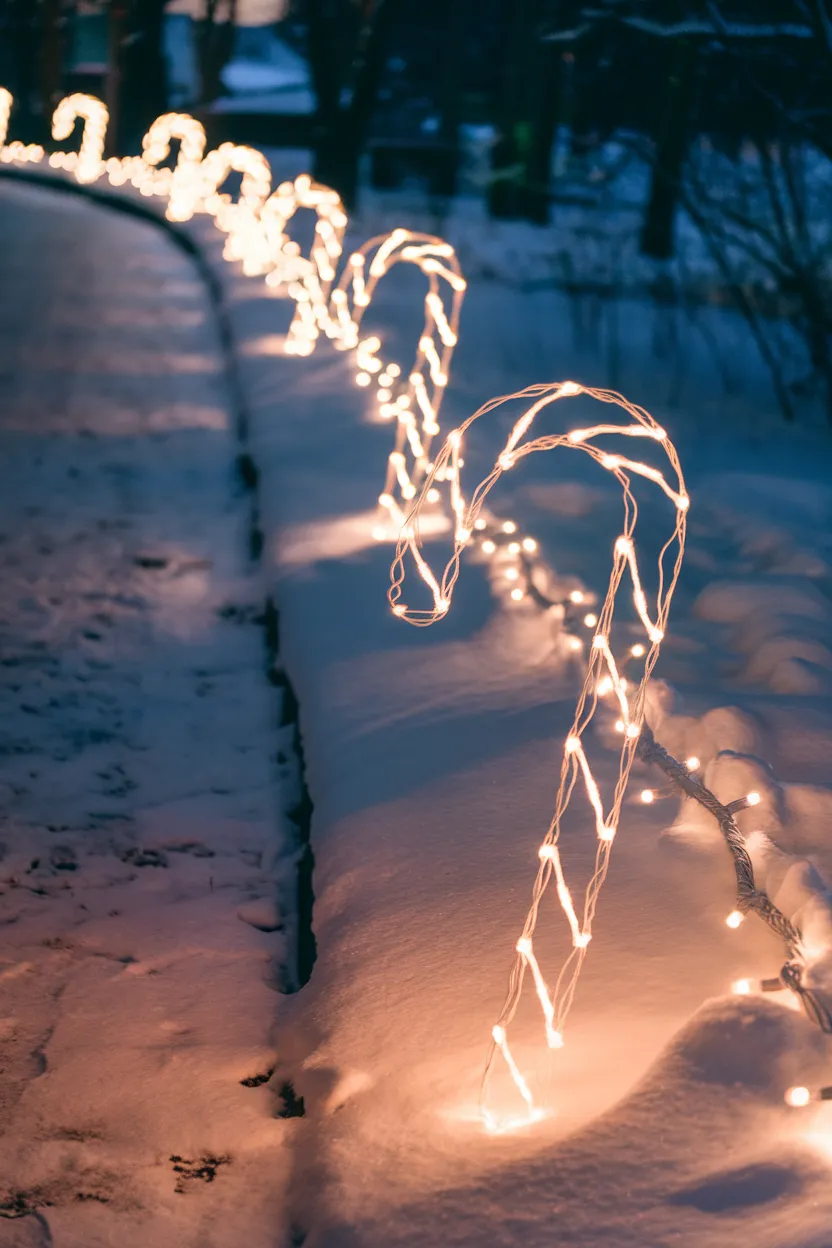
[413,399]
[576,775]
[240,220]
[88,162]
[186,185]
[308,280]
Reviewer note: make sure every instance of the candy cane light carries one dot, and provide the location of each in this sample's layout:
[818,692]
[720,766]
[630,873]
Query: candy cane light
[576,774]
[412,399]
[186,185]
[88,163]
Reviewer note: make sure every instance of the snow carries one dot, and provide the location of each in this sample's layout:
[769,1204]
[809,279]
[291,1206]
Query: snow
[139,824]
[432,759]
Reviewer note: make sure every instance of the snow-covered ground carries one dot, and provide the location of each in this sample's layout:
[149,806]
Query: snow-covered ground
[139,832]
[433,758]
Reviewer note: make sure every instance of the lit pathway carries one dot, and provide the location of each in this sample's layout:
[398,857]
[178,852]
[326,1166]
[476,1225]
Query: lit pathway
[137,812]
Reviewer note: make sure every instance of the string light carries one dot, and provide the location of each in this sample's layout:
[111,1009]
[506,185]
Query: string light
[88,163]
[576,772]
[734,919]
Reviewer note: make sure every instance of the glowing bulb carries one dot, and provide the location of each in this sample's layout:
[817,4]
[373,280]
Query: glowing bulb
[512,574]
[647,796]
[572,744]
[798,1097]
[753,798]
[633,731]
[735,918]
[742,987]
[362,379]
[590,620]
[434,496]
[529,544]
[637,651]
[692,763]
[514,548]
[576,596]
[488,546]
[509,527]
[619,725]
[604,686]
[517,594]
[480,524]
[575,643]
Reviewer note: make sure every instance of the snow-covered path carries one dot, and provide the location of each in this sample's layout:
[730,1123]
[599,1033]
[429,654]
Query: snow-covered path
[138,822]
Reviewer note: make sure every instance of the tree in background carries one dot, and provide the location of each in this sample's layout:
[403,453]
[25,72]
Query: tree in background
[531,100]
[215,45]
[32,46]
[671,138]
[346,47]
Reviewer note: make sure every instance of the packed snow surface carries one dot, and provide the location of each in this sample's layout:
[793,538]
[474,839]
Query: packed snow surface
[138,828]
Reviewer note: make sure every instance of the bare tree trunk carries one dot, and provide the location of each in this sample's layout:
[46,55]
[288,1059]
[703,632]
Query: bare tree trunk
[657,237]
[215,46]
[344,109]
[510,153]
[50,59]
[532,94]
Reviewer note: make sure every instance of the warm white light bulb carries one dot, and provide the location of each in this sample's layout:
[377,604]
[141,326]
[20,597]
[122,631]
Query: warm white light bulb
[590,620]
[735,918]
[517,594]
[637,651]
[753,798]
[488,546]
[692,763]
[742,987]
[576,596]
[798,1097]
[509,527]
[529,544]
[648,796]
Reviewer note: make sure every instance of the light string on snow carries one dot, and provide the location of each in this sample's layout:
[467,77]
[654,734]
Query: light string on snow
[749,898]
[473,524]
